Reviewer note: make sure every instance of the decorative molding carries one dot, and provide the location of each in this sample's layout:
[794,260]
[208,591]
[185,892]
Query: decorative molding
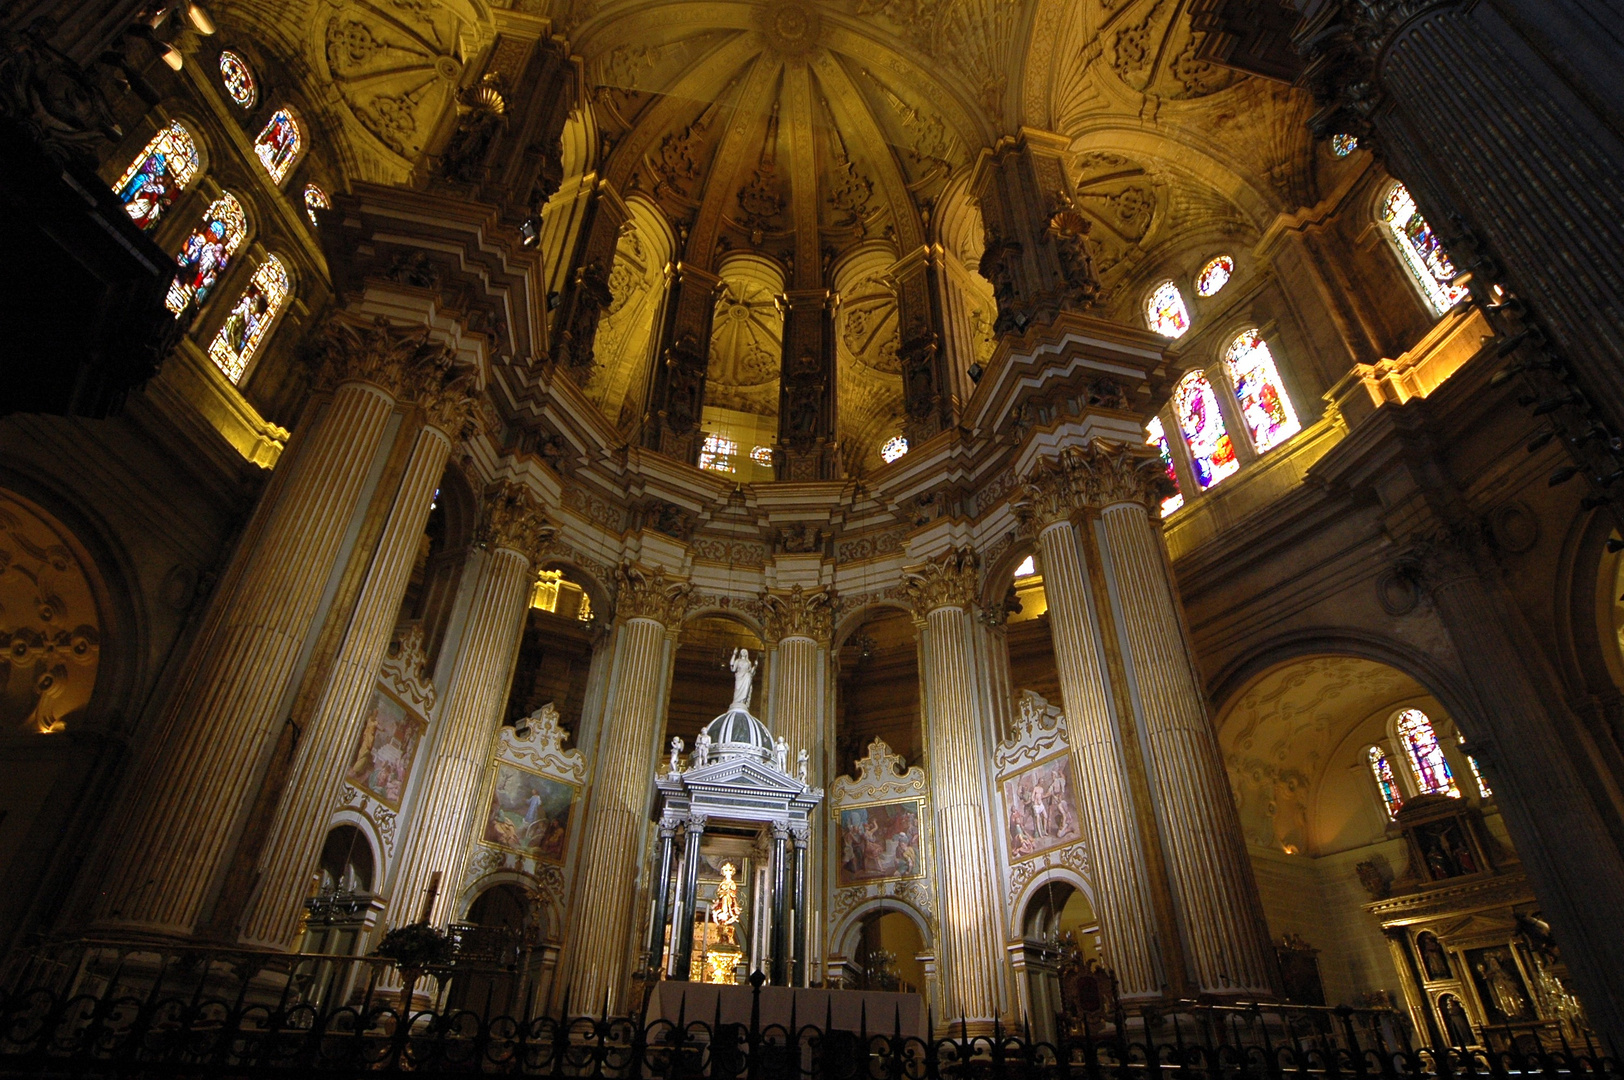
[948,581]
[390,357]
[405,667]
[799,614]
[382,816]
[536,742]
[1040,730]
[880,778]
[645,594]
[1097,475]
[871,546]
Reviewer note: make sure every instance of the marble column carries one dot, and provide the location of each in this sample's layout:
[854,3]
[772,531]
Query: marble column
[941,593]
[797,976]
[1125,879]
[316,779]
[682,927]
[781,886]
[601,914]
[187,802]
[1224,935]
[662,894]
[438,835]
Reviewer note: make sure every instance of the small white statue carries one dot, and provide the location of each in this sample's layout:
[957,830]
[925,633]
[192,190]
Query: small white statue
[744,674]
[676,753]
[781,754]
[701,748]
[802,758]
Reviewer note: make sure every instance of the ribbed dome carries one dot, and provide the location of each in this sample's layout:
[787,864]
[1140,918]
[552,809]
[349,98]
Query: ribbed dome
[736,733]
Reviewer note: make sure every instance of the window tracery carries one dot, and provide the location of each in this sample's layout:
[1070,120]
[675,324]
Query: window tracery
[1195,405]
[238,79]
[1425,754]
[206,253]
[278,144]
[251,318]
[1419,250]
[1157,437]
[1265,405]
[158,175]
[1165,312]
[1214,276]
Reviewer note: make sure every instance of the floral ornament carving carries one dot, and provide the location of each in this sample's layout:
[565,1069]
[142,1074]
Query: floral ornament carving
[399,360]
[48,625]
[799,613]
[1100,474]
[647,594]
[512,518]
[947,581]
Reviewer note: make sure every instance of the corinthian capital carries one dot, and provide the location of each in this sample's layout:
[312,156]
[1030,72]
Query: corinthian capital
[447,398]
[798,613]
[947,581]
[389,357]
[646,594]
[1108,473]
[512,519]
[1050,494]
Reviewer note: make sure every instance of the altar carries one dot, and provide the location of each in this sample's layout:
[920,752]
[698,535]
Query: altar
[876,1011]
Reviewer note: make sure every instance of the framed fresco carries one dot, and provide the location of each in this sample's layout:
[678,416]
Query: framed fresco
[388,745]
[1040,809]
[528,813]
[881,842]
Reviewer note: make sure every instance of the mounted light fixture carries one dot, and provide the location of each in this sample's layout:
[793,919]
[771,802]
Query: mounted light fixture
[199,18]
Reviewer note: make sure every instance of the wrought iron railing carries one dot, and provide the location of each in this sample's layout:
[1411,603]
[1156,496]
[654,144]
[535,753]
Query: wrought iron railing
[105,1010]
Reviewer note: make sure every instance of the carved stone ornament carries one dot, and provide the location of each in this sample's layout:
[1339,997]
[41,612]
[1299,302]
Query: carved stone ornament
[1442,556]
[947,581]
[1039,730]
[1048,496]
[536,742]
[1100,474]
[880,778]
[404,668]
[61,105]
[396,359]
[512,518]
[645,594]
[799,614]
[447,397]
[1340,44]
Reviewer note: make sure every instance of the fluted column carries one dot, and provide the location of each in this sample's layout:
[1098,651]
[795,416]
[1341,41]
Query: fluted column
[316,778]
[1225,940]
[1124,897]
[601,915]
[512,530]
[203,769]
[941,592]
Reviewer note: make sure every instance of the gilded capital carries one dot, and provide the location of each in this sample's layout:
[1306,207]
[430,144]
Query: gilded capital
[1099,474]
[646,594]
[1049,495]
[447,397]
[799,613]
[947,581]
[512,518]
[392,358]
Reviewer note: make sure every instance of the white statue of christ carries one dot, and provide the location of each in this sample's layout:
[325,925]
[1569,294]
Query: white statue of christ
[744,673]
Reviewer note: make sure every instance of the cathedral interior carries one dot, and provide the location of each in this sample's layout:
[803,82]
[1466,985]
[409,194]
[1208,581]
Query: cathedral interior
[949,499]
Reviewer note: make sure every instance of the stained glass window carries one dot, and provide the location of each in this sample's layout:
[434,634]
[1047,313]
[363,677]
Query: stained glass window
[316,199]
[158,175]
[1165,312]
[1385,782]
[762,455]
[1420,744]
[1157,437]
[1028,567]
[204,256]
[717,453]
[238,79]
[250,320]
[1270,419]
[894,448]
[278,145]
[1211,452]
[1343,145]
[1477,770]
[1418,247]
[1214,276]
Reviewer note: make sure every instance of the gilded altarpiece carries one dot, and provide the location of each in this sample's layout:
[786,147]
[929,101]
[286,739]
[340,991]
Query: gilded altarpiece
[882,840]
[380,770]
[1037,786]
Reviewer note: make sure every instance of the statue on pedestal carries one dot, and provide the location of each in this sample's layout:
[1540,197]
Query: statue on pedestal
[744,674]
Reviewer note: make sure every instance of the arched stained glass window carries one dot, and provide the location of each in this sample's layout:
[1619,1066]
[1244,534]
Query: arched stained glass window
[1165,312]
[1343,145]
[1265,406]
[1420,742]
[718,453]
[1386,783]
[1157,437]
[1214,276]
[238,79]
[251,318]
[278,144]
[316,199]
[206,253]
[1418,248]
[894,448]
[158,175]
[1211,451]
[1477,770]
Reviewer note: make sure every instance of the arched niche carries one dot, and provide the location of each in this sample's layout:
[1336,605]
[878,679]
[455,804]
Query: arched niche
[1056,925]
[628,331]
[556,649]
[740,418]
[701,685]
[1017,591]
[431,591]
[868,371]
[877,689]
[881,927]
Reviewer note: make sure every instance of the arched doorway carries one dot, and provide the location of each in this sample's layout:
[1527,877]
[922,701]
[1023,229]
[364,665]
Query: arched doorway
[1058,928]
[498,951]
[343,908]
[889,954]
